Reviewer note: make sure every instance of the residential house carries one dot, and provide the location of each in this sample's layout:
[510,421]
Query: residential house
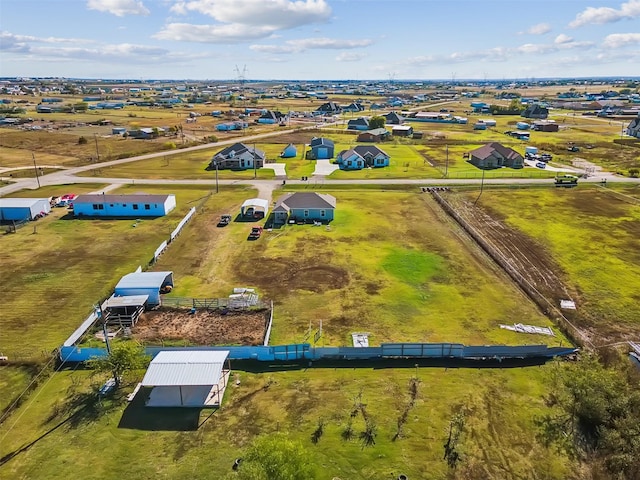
[360,123]
[633,130]
[392,118]
[495,155]
[145,133]
[304,207]
[321,149]
[375,135]
[362,156]
[352,107]
[271,117]
[329,108]
[237,157]
[535,111]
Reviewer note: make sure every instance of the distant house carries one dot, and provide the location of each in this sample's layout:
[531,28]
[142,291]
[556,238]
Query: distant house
[495,155]
[21,209]
[237,157]
[227,126]
[633,130]
[304,206]
[402,130]
[352,107]
[139,205]
[329,108]
[545,126]
[535,111]
[375,135]
[290,151]
[361,157]
[359,123]
[270,117]
[321,149]
[392,118]
[145,133]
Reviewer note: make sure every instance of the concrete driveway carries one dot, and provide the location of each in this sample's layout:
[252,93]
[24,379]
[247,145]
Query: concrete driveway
[325,167]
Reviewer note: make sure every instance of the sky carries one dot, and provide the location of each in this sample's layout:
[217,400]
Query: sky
[319,39]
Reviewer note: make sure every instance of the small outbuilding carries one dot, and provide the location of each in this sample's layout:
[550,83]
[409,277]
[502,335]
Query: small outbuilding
[187,378]
[137,205]
[402,130]
[124,311]
[151,284]
[375,135]
[21,209]
[321,149]
[545,126]
[290,151]
[254,208]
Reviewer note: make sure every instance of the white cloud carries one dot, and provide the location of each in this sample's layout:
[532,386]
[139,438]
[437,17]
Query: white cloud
[231,33]
[562,38]
[301,45]
[602,15]
[349,57]
[119,8]
[538,29]
[616,40]
[243,20]
[277,14]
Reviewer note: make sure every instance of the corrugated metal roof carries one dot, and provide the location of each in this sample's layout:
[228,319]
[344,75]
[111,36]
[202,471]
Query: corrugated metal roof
[143,280]
[186,367]
[20,202]
[126,300]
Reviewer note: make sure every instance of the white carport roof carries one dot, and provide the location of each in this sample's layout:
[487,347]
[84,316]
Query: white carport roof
[256,202]
[126,301]
[185,367]
[144,280]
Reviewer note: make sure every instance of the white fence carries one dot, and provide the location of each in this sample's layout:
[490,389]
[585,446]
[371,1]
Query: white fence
[184,221]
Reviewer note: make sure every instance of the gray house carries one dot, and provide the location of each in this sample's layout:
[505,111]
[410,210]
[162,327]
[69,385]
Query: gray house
[304,207]
[237,157]
[633,130]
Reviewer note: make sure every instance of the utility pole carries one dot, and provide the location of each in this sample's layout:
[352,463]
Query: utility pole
[35,168]
[446,163]
[100,313]
[216,163]
[255,160]
[95,137]
[481,188]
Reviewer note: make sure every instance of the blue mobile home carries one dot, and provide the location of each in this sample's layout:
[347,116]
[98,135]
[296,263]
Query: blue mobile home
[141,205]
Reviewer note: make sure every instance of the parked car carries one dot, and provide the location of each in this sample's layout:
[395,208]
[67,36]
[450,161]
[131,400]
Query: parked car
[224,220]
[541,165]
[255,233]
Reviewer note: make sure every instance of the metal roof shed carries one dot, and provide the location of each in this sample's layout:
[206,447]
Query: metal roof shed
[18,209]
[144,283]
[249,206]
[187,378]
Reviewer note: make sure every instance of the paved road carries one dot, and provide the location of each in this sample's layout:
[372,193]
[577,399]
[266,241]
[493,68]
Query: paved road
[68,176]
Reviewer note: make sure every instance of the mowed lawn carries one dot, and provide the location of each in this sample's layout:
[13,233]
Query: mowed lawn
[57,268]
[594,235]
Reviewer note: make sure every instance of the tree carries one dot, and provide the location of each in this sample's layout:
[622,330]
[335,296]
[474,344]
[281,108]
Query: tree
[377,122]
[275,457]
[124,358]
[596,411]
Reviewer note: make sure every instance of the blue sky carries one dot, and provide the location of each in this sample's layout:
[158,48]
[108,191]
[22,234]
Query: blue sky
[319,39]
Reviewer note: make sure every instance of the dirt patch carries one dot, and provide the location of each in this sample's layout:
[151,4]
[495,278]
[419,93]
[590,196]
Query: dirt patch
[279,276]
[204,327]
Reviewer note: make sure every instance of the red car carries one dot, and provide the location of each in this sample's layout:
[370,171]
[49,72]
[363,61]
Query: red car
[255,233]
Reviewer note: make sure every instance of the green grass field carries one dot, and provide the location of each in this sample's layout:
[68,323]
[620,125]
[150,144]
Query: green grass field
[61,266]
[593,234]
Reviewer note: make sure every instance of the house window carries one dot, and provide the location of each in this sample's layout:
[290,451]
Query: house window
[306,213]
[95,206]
[111,204]
[135,206]
[124,204]
[147,206]
[322,213]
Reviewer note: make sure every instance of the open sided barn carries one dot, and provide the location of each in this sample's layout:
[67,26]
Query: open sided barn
[145,283]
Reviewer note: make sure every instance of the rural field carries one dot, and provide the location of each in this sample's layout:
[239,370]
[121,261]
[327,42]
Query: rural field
[390,264]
